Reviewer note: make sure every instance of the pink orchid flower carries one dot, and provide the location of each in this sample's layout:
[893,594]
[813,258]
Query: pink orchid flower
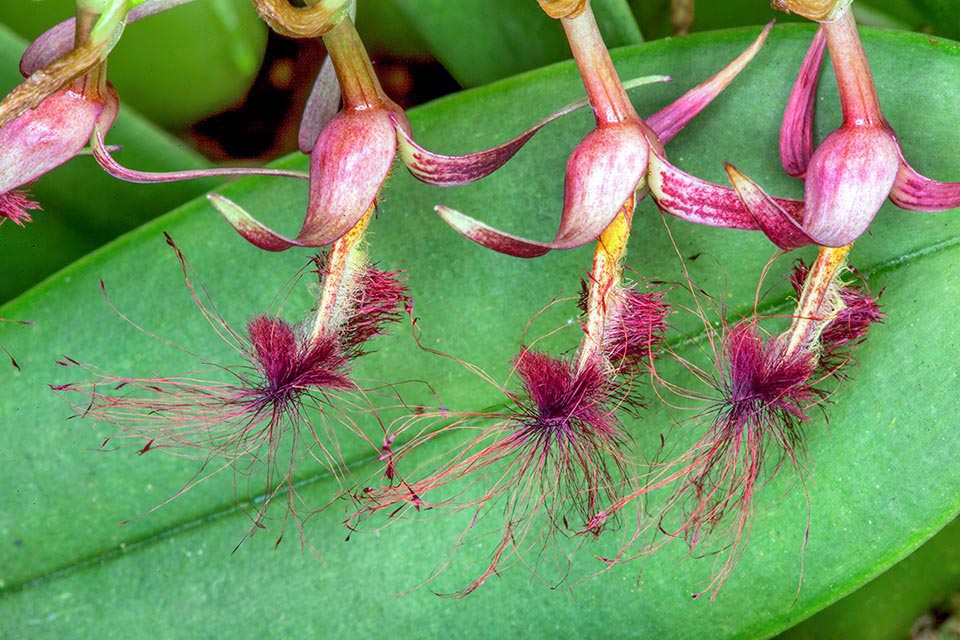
[623,157]
[352,152]
[855,168]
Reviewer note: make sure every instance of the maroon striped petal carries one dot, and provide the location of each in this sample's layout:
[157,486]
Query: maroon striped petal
[918,193]
[689,198]
[780,225]
[796,133]
[671,119]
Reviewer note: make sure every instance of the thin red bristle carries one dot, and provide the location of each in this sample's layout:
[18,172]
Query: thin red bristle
[549,464]
[381,299]
[15,206]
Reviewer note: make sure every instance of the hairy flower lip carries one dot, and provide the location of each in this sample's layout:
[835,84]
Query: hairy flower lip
[252,413]
[555,455]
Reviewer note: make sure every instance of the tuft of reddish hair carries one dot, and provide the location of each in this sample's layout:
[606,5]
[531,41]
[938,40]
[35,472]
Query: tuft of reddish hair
[635,329]
[752,427]
[860,310]
[635,326]
[252,417]
[549,463]
[380,300]
[16,206]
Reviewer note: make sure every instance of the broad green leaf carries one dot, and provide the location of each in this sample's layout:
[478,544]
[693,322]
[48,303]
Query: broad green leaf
[887,607]
[176,67]
[479,42]
[384,28]
[83,206]
[881,474]
[654,15]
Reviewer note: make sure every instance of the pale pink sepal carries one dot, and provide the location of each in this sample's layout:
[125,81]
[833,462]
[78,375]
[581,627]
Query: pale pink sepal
[59,40]
[916,192]
[671,119]
[780,225]
[46,137]
[102,154]
[485,235]
[848,179]
[796,133]
[255,232]
[321,107]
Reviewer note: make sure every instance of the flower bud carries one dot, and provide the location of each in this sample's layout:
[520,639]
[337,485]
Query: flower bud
[848,178]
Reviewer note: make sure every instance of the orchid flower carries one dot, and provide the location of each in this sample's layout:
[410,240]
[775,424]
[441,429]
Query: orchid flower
[623,158]
[351,152]
[856,167]
[66,102]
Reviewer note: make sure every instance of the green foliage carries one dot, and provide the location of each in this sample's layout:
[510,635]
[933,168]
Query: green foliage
[881,475]
[505,37]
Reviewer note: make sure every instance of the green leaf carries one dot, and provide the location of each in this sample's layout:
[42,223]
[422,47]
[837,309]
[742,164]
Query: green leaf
[83,207]
[881,475]
[176,67]
[887,607]
[479,42]
[943,16]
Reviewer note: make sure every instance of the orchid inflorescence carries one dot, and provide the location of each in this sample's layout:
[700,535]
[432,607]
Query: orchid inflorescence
[556,459]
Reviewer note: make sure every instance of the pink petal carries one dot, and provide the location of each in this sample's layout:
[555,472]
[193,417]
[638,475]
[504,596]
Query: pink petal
[779,224]
[254,231]
[101,152]
[321,107]
[603,171]
[57,41]
[449,171]
[918,193]
[348,166]
[46,137]
[796,133]
[689,198]
[671,119]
